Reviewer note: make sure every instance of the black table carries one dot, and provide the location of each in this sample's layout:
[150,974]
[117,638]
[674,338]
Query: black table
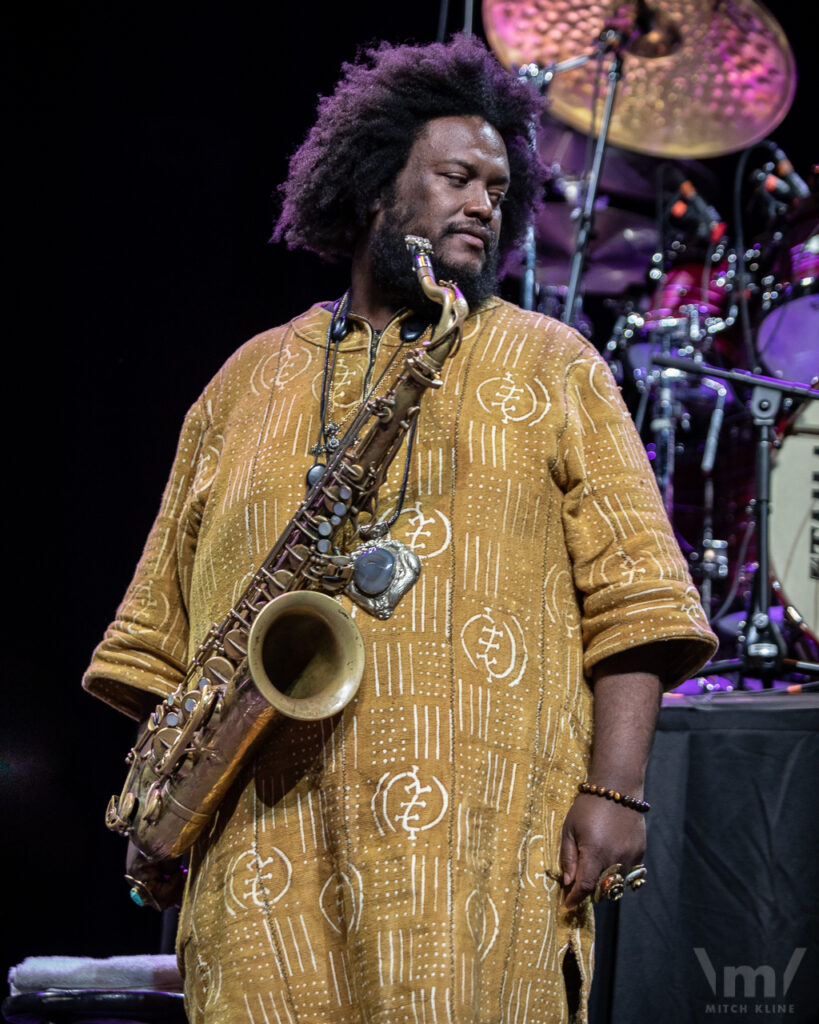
[728,924]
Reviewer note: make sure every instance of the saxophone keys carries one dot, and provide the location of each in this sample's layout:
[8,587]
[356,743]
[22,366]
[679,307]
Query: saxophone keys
[282,578]
[115,819]
[190,701]
[163,741]
[126,808]
[316,471]
[298,554]
[235,644]
[217,671]
[153,804]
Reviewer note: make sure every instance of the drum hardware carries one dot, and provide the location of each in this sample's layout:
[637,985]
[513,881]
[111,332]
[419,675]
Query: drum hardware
[780,271]
[684,85]
[761,646]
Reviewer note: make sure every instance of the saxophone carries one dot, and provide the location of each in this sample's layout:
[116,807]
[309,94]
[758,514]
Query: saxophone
[287,646]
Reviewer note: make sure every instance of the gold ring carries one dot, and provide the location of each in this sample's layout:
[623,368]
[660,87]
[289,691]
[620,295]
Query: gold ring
[610,885]
[636,877]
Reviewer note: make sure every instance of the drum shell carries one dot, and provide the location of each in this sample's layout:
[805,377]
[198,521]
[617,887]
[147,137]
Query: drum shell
[794,519]
[788,330]
[708,288]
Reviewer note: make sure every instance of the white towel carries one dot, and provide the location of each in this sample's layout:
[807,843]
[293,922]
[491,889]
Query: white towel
[158,973]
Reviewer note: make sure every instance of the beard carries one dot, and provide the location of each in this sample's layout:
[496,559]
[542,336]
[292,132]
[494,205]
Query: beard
[393,272]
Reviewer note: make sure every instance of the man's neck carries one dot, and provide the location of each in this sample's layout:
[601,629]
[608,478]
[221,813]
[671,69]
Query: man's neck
[365,299]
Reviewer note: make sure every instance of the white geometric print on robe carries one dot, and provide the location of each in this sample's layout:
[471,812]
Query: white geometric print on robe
[346,391]
[560,600]
[482,921]
[209,983]
[515,398]
[260,882]
[280,367]
[532,860]
[427,535]
[410,801]
[207,464]
[152,601]
[496,647]
[691,605]
[341,901]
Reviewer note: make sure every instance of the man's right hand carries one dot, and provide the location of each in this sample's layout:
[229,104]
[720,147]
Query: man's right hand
[157,884]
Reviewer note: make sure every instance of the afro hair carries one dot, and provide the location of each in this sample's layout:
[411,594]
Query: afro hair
[364,132]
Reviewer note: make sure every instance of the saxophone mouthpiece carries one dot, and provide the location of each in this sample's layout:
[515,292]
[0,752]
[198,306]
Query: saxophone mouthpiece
[447,294]
[418,245]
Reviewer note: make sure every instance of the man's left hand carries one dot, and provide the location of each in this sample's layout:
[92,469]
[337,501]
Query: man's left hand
[596,834]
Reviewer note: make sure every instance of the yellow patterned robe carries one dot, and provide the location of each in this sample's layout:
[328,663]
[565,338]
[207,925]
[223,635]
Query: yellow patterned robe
[400,864]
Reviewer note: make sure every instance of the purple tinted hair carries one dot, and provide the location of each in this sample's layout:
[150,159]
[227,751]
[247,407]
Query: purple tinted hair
[364,131]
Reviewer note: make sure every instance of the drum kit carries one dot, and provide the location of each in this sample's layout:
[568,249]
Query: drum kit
[713,334]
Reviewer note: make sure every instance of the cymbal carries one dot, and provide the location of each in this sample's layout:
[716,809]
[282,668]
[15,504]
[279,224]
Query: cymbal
[619,255]
[701,78]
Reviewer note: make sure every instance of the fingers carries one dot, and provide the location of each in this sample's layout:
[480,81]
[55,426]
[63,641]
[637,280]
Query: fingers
[589,865]
[597,834]
[158,884]
[578,866]
[568,857]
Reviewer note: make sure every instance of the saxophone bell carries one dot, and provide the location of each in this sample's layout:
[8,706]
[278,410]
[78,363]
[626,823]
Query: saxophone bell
[306,640]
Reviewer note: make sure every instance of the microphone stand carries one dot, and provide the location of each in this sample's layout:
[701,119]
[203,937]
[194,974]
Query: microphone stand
[761,649]
[610,38]
[541,78]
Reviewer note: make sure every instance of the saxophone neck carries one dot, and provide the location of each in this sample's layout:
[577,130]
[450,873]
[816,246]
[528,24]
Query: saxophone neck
[454,307]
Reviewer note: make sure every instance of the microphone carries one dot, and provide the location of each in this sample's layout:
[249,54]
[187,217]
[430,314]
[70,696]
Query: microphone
[691,200]
[784,168]
[773,186]
[714,427]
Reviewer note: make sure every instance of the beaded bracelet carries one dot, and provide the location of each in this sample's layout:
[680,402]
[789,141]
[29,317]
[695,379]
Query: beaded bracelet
[611,794]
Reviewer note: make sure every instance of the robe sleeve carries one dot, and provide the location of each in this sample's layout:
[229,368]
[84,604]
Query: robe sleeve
[631,577]
[143,654]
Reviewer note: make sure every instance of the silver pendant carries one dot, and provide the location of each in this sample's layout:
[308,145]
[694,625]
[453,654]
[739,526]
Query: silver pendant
[382,573]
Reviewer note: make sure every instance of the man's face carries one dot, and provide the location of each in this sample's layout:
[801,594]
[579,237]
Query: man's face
[450,191]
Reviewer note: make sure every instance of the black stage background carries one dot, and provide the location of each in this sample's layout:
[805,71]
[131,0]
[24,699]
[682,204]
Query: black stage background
[144,144]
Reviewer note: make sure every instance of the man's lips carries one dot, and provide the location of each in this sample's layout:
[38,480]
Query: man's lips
[480,236]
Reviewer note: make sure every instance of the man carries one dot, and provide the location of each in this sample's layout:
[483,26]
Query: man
[427,855]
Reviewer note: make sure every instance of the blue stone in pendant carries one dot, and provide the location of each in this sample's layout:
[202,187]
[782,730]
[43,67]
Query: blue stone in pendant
[374,570]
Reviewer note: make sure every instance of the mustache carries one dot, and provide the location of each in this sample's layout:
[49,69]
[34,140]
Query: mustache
[488,237]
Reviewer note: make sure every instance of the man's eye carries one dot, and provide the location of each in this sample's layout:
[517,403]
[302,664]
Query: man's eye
[498,198]
[457,179]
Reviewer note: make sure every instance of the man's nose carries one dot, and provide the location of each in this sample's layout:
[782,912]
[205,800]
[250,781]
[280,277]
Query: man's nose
[479,202]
